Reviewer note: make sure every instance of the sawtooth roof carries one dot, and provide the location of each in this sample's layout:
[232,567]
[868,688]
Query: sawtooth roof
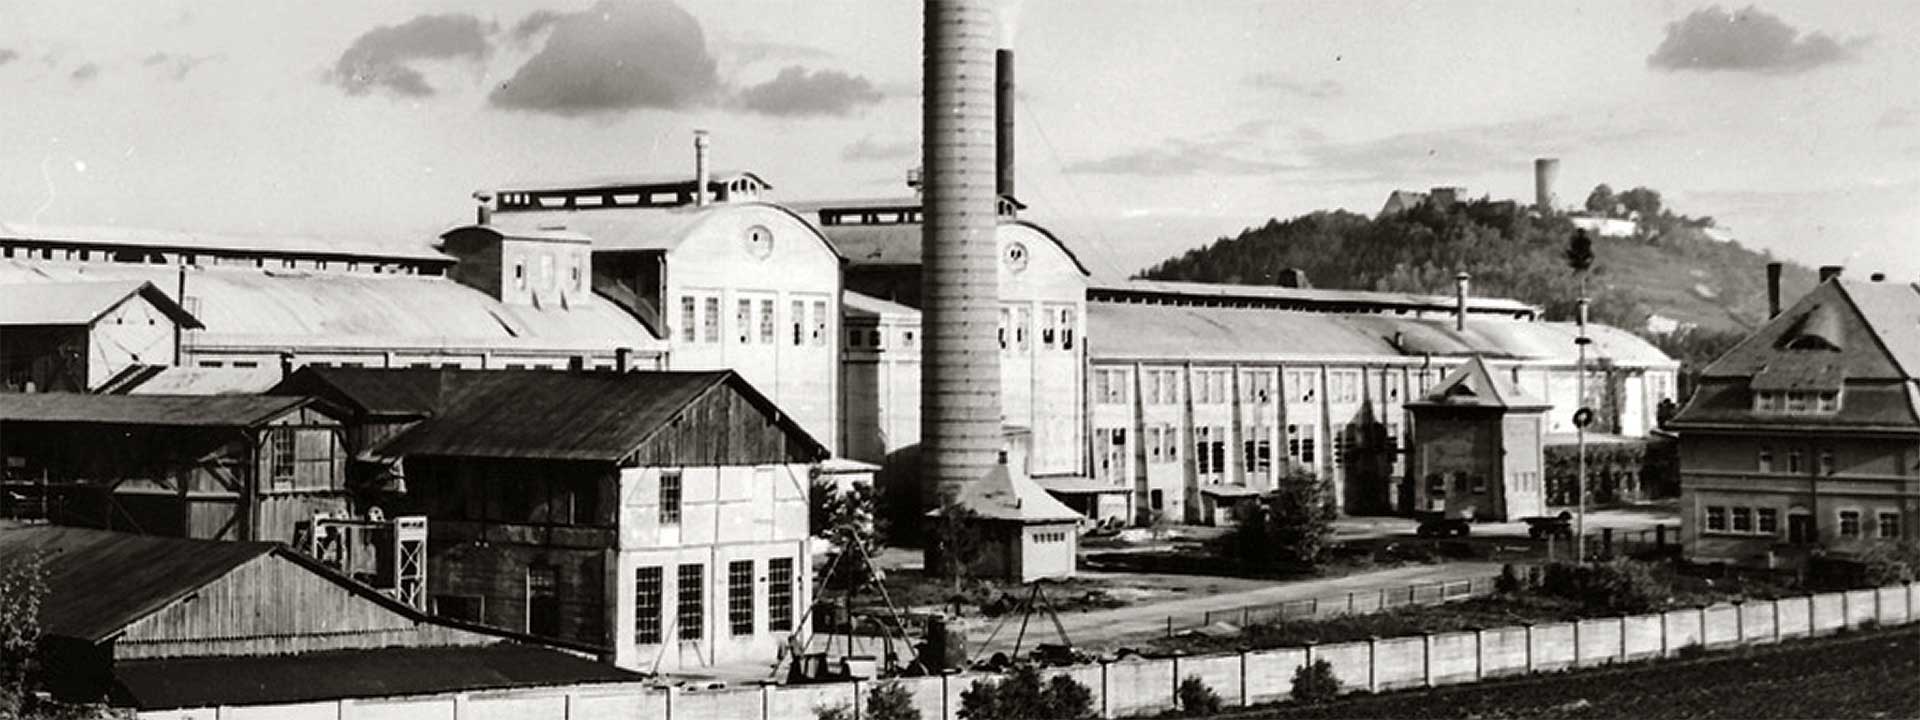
[300,309]
[214,411]
[82,303]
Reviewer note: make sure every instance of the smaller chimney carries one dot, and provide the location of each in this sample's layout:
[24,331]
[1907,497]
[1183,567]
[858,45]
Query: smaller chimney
[700,168]
[1003,121]
[623,359]
[483,207]
[1829,272]
[1294,278]
[1773,289]
[1460,300]
[286,363]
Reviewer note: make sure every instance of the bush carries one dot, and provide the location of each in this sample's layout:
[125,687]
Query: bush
[1619,586]
[887,701]
[1196,699]
[1509,581]
[1891,564]
[1315,683]
[1022,696]
[1292,525]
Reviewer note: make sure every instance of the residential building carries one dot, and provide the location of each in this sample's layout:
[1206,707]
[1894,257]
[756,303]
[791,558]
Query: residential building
[1804,438]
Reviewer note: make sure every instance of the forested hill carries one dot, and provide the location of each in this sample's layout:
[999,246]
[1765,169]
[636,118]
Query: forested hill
[1671,267]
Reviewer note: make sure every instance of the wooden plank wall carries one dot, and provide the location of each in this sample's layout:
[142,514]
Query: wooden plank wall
[722,427]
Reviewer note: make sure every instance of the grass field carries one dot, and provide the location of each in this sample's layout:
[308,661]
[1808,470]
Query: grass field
[1862,674]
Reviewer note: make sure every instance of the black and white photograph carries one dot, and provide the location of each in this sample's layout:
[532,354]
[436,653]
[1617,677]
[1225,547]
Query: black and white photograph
[959,359]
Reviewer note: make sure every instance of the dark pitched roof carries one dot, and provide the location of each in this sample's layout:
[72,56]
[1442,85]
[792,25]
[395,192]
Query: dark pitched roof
[167,410]
[81,303]
[546,414]
[1830,314]
[98,582]
[229,681]
[1475,385]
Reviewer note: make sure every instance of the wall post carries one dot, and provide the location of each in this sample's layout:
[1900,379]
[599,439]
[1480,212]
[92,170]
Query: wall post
[1846,609]
[1426,658]
[1244,697]
[1776,618]
[1665,644]
[1529,627]
[1479,653]
[1373,658]
[1739,623]
[1106,690]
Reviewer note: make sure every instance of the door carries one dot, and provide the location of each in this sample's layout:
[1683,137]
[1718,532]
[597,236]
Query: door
[1800,529]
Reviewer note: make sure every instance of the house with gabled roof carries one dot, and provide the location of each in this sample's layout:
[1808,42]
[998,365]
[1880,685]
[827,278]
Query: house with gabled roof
[1479,447]
[75,336]
[1804,439]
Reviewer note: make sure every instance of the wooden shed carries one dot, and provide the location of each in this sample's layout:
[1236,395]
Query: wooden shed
[208,467]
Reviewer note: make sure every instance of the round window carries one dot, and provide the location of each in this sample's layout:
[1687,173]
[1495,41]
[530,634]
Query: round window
[759,241]
[1016,256]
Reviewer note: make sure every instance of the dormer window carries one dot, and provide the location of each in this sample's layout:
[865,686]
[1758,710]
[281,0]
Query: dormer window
[1796,402]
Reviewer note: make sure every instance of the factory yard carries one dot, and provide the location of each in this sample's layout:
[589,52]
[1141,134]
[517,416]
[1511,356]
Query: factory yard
[1867,674]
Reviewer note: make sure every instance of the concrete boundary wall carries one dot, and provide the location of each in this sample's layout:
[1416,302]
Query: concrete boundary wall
[1137,687]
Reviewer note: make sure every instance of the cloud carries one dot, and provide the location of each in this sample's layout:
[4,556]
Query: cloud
[619,55]
[1898,117]
[751,51]
[84,74]
[531,25]
[1322,90]
[1747,40]
[8,55]
[1468,150]
[797,91]
[1180,158]
[872,149]
[382,58]
[176,65]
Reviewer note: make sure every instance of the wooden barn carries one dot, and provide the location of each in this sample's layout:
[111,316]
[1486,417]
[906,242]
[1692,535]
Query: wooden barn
[157,623]
[208,467]
[660,517]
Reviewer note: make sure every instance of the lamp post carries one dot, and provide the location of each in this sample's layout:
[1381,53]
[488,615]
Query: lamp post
[1583,416]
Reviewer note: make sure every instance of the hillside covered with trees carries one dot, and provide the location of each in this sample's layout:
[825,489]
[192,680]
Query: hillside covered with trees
[1671,266]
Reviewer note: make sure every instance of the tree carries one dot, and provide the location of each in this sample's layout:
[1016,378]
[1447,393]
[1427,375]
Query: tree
[848,521]
[956,539]
[23,589]
[1642,200]
[1021,695]
[1291,525]
[1315,683]
[1601,200]
[1580,251]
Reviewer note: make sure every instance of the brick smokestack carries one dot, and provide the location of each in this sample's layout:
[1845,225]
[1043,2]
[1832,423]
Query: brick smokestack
[960,435]
[1773,289]
[1545,172]
[1003,108]
[1460,284]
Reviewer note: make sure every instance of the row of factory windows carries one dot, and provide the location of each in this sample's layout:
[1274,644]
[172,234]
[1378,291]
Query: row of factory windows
[1765,522]
[754,321]
[1210,448]
[1056,331]
[1475,483]
[876,338]
[554,364]
[143,256]
[1161,386]
[543,277]
[689,617]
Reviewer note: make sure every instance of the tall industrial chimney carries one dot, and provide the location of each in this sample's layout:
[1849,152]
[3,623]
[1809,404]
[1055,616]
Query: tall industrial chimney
[700,168]
[1545,171]
[960,426]
[1003,108]
[1460,300]
[1773,289]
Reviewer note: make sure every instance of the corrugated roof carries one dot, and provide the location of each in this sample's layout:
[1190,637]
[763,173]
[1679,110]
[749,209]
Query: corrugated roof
[81,303]
[204,381]
[403,392]
[99,582]
[124,237]
[295,309]
[862,305]
[637,229]
[163,410]
[392,672]
[625,180]
[899,244]
[557,415]
[1473,384]
[1005,495]
[1307,295]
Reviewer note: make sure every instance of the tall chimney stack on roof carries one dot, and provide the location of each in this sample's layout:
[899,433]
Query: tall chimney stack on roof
[1773,289]
[1003,108]
[1460,282]
[483,207]
[960,424]
[1545,172]
[700,168]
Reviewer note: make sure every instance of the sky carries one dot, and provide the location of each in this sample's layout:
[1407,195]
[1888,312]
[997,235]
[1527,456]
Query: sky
[1144,128]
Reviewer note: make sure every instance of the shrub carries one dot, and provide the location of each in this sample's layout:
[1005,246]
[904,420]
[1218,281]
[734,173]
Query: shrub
[1509,581]
[1022,696]
[1619,586]
[1291,525]
[890,701]
[1196,699]
[1887,564]
[1315,683]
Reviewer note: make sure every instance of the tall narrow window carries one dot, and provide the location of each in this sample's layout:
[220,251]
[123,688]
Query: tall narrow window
[766,322]
[820,322]
[1067,322]
[1716,518]
[692,606]
[740,597]
[1767,521]
[1888,525]
[1826,461]
[1794,461]
[1849,523]
[543,602]
[519,275]
[710,319]
[1048,333]
[670,497]
[1766,459]
[281,446]
[1202,459]
[743,321]
[1742,519]
[689,323]
[646,605]
[1022,320]
[1006,325]
[780,595]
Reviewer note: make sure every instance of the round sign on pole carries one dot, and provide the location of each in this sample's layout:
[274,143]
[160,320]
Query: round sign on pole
[1583,417]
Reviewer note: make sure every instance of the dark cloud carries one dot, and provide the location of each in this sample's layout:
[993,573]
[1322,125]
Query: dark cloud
[619,55]
[1748,40]
[874,149]
[176,66]
[1178,158]
[84,74]
[381,59]
[8,55]
[1322,90]
[797,91]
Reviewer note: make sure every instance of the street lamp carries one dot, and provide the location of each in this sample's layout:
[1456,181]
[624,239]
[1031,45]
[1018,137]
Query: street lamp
[1581,418]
